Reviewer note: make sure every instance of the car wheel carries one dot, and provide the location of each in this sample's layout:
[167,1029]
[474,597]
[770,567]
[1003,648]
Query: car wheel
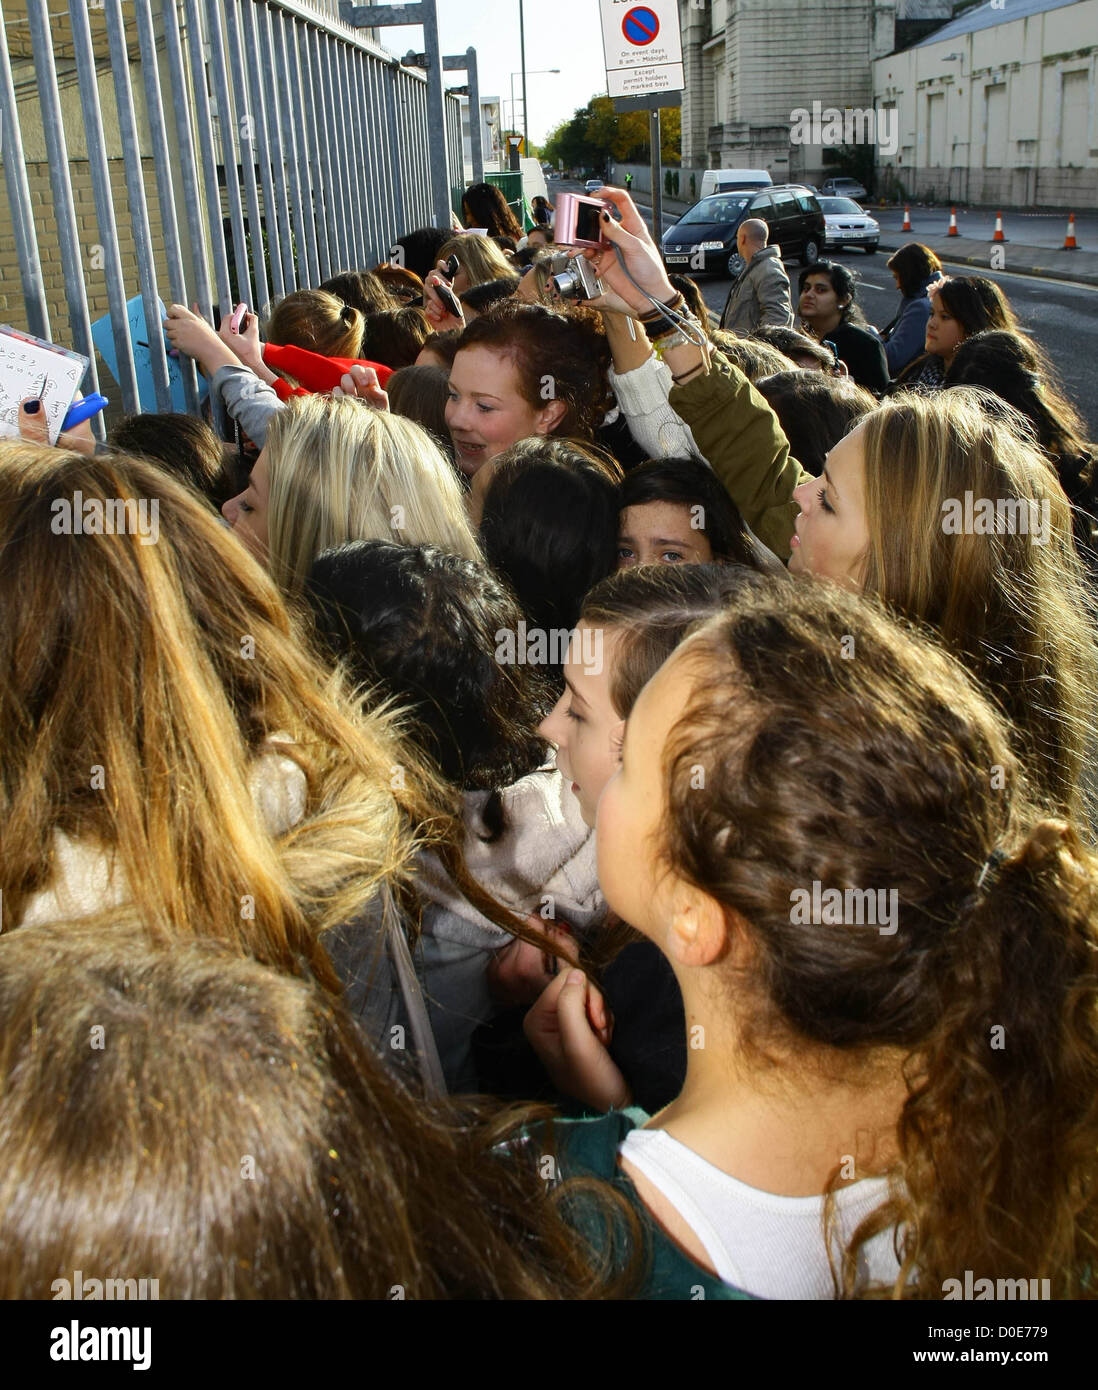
[811,253]
[871,248]
[735,264]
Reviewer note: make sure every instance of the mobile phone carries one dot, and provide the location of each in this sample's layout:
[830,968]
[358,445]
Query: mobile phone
[579,220]
[240,313]
[449,300]
[827,343]
[451,268]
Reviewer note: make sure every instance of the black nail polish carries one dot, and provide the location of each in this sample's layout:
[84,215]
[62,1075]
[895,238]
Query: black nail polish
[32,407]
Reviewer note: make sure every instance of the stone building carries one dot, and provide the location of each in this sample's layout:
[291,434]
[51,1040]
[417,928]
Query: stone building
[998,107]
[749,64]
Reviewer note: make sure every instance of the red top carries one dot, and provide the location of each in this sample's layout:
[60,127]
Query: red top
[316,373]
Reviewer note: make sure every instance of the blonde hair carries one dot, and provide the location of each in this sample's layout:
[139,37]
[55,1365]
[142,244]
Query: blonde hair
[341,471]
[479,257]
[1017,612]
[140,684]
[318,321]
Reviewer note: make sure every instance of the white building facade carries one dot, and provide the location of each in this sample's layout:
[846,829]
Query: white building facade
[997,107]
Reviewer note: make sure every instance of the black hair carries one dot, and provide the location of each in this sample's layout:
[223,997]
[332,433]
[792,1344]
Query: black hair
[419,249]
[844,282]
[550,525]
[484,205]
[691,483]
[1017,370]
[423,625]
[691,292]
[815,411]
[482,297]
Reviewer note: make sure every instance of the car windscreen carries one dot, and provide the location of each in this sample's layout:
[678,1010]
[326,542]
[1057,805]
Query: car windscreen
[719,209]
[834,205]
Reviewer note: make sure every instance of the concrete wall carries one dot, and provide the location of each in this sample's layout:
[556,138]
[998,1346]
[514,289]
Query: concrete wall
[1018,113]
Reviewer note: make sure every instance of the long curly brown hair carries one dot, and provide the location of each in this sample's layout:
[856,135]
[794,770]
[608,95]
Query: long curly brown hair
[861,756]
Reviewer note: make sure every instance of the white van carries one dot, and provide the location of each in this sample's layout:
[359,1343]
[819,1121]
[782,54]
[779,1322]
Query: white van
[724,180]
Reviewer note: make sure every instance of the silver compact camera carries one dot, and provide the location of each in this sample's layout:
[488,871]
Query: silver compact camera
[572,277]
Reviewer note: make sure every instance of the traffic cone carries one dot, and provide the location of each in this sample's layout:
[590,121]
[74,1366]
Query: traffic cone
[998,236]
[953,223]
[907,219]
[1070,244]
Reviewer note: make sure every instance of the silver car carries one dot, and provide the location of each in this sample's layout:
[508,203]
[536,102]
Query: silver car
[846,224]
[842,188]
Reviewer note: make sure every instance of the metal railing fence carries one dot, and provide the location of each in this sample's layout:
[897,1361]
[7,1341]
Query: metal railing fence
[281,145]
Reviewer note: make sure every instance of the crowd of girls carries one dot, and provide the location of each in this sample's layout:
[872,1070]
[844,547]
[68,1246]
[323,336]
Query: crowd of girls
[559,764]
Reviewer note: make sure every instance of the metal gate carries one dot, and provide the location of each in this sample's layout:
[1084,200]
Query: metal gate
[231,149]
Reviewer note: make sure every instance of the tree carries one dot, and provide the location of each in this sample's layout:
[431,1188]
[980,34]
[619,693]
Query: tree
[596,133]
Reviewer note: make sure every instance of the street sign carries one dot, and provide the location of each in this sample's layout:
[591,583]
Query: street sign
[642,46]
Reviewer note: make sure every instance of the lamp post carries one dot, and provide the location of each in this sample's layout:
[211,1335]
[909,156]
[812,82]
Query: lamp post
[538,72]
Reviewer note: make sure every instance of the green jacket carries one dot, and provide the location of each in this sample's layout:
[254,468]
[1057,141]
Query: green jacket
[588,1148]
[738,433]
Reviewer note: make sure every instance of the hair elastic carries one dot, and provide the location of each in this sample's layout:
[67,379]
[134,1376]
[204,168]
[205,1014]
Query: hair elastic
[991,866]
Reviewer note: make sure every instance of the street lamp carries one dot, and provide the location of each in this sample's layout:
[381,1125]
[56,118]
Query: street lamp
[538,72]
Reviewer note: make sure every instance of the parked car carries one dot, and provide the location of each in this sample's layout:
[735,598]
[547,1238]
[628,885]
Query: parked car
[593,185]
[790,211]
[849,225]
[842,188]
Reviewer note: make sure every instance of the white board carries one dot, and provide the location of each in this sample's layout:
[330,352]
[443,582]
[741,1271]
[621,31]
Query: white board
[642,46]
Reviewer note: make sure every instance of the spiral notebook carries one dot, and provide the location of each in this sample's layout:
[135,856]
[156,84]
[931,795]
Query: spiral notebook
[30,366]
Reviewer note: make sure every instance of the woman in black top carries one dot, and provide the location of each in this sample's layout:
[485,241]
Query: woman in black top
[959,307]
[830,315]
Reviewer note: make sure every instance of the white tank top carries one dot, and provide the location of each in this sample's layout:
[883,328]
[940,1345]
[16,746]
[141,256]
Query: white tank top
[767,1245]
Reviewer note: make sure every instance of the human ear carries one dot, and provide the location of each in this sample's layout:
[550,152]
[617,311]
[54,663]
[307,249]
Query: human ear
[698,931]
[550,416]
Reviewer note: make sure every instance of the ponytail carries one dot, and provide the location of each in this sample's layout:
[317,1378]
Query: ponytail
[1000,1132]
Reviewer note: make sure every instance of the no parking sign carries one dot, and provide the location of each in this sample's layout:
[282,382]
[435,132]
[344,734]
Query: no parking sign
[642,46]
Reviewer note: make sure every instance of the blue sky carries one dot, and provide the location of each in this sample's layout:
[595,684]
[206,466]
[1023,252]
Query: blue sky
[563,34]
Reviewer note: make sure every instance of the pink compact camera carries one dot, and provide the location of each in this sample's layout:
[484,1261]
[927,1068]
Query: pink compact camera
[578,220]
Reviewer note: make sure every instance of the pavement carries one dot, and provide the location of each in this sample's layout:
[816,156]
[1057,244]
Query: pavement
[1034,244]
[1080,267]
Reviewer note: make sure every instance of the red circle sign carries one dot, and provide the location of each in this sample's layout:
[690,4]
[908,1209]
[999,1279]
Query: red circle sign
[640,25]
